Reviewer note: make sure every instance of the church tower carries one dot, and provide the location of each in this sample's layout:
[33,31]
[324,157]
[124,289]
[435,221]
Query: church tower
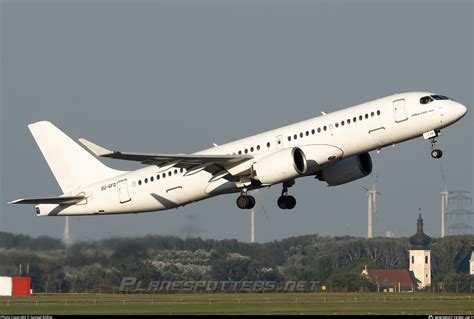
[420,255]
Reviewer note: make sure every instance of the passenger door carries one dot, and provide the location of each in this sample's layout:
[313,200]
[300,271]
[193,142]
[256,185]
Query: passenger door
[399,110]
[122,189]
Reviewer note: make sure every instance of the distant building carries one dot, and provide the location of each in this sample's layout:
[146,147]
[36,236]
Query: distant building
[471,264]
[391,280]
[420,255]
[418,276]
[15,286]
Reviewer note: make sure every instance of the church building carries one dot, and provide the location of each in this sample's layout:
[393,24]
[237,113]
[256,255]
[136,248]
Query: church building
[420,255]
[418,276]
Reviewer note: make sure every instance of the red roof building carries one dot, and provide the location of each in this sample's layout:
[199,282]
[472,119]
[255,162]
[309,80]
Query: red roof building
[391,279]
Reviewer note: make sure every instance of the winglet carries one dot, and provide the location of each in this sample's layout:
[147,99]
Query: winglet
[17,201]
[94,148]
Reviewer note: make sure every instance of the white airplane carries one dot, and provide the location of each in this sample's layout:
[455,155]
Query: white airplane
[333,147]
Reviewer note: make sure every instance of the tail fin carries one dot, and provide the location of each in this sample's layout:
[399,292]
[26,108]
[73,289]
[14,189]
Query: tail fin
[72,165]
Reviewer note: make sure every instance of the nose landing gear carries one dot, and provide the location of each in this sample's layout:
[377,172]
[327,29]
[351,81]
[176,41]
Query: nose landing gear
[435,153]
[432,135]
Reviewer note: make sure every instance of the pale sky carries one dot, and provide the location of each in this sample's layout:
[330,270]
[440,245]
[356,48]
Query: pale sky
[177,76]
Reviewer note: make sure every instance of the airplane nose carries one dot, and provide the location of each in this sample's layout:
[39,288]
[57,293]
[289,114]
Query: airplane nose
[461,110]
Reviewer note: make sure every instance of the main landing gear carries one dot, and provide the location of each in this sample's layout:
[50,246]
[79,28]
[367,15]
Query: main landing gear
[435,153]
[286,201]
[245,201]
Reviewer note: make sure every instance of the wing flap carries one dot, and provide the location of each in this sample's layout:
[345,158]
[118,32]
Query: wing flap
[63,200]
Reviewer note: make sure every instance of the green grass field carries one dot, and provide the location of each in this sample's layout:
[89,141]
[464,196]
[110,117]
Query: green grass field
[267,303]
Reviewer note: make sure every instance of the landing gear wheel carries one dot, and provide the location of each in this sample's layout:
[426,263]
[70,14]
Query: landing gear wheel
[245,202]
[281,202]
[286,202]
[436,153]
[251,202]
[291,202]
[242,201]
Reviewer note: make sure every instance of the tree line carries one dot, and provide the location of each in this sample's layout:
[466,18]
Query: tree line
[333,261]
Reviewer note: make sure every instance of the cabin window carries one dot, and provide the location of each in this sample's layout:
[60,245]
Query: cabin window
[268,144]
[312,131]
[240,152]
[342,123]
[372,114]
[246,151]
[426,259]
[366,115]
[146,180]
[169,173]
[337,125]
[325,127]
[348,121]
[181,170]
[354,119]
[152,179]
[139,182]
[289,138]
[295,136]
[360,118]
[251,149]
[175,171]
[164,175]
[301,134]
[258,147]
[378,112]
[307,133]
[157,177]
[412,259]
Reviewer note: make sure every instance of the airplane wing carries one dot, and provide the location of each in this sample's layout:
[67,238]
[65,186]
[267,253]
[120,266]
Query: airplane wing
[192,162]
[65,200]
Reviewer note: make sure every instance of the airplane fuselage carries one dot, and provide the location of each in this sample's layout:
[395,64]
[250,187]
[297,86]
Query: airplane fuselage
[345,133]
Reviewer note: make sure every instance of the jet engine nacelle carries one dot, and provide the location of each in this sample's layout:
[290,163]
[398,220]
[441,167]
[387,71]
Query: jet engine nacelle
[280,166]
[346,170]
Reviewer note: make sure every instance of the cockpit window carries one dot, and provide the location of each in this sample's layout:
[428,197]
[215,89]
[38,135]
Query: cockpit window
[426,100]
[440,97]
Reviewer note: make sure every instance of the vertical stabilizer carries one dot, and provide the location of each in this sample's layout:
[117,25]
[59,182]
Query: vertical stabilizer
[72,165]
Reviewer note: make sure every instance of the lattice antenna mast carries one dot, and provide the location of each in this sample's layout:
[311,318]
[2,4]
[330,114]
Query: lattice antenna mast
[460,208]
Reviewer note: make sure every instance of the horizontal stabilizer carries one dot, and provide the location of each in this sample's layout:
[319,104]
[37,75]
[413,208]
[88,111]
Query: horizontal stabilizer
[64,200]
[96,149]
